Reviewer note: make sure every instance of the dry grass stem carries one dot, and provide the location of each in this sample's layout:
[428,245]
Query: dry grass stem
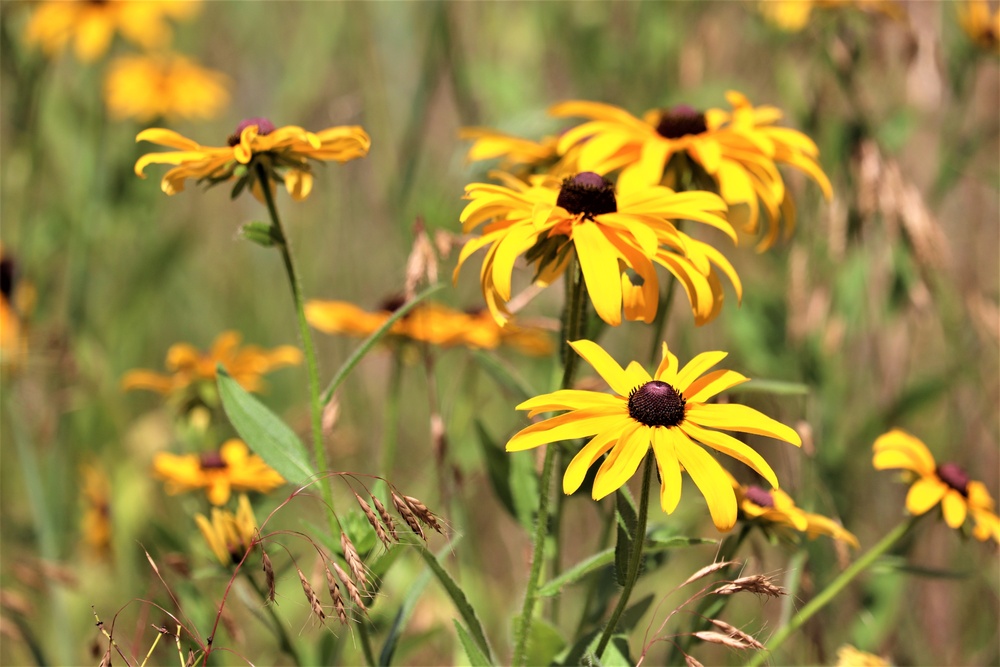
[707,570]
[311,596]
[353,561]
[423,513]
[390,525]
[373,521]
[736,633]
[352,589]
[338,599]
[756,583]
[408,516]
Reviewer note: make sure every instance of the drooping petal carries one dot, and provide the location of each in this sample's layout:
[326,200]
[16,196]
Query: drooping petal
[577,469]
[623,461]
[925,493]
[670,469]
[954,507]
[735,417]
[599,263]
[727,444]
[899,449]
[710,479]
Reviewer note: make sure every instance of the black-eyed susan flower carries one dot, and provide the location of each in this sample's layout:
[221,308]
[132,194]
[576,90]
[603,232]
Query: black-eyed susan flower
[980,24]
[164,85]
[794,15]
[229,535]
[188,365]
[775,509]
[739,151]
[668,412]
[90,26]
[946,484]
[233,467]
[611,233]
[283,152]
[521,156]
[431,322]
[17,299]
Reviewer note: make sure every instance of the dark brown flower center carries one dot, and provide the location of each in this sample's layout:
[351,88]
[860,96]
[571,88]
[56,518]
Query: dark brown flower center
[392,303]
[264,126]
[656,403]
[680,121]
[759,496]
[8,272]
[212,461]
[587,194]
[955,477]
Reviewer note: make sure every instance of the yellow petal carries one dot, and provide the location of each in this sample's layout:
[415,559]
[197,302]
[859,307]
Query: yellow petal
[694,368]
[577,424]
[710,479]
[735,417]
[727,444]
[712,384]
[670,469]
[599,263]
[605,366]
[623,461]
[577,469]
[899,449]
[954,507]
[925,494]
[569,399]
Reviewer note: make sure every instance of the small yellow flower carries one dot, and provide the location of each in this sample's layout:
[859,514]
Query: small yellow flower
[848,656]
[668,412]
[776,508]
[229,535]
[517,155]
[737,150]
[96,523]
[187,365]
[432,323]
[980,24]
[165,85]
[609,230]
[794,15]
[91,26]
[283,152]
[947,484]
[233,467]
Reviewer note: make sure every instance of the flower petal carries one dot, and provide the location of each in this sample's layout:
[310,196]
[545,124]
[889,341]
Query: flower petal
[669,467]
[925,494]
[735,417]
[605,366]
[899,449]
[954,507]
[623,461]
[710,479]
[577,469]
[727,444]
[576,424]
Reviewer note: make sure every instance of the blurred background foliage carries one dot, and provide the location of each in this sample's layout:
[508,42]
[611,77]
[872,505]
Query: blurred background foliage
[884,304]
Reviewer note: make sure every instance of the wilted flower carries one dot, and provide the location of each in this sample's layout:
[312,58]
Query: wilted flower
[229,535]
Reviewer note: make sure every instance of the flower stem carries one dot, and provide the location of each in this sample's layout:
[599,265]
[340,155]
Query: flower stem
[835,587]
[307,342]
[284,641]
[635,557]
[573,325]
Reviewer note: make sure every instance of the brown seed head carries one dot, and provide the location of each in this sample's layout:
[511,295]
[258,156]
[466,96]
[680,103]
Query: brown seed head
[390,525]
[311,596]
[338,600]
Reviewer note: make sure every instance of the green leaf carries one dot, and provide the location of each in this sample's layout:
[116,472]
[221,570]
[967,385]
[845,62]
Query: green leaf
[263,431]
[513,477]
[476,657]
[544,642]
[627,522]
[402,618]
[634,613]
[459,599]
[616,654]
[370,342]
[504,375]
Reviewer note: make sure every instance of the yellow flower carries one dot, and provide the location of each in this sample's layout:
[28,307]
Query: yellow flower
[947,484]
[776,508]
[848,656]
[738,151]
[980,24]
[229,535]
[793,15]
[165,85]
[667,412]
[233,467]
[91,25]
[96,523]
[187,365]
[283,152]
[609,231]
[522,156]
[429,323]
[17,299]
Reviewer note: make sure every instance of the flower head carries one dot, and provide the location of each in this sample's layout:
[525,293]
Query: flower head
[168,86]
[91,25]
[609,230]
[95,490]
[187,365]
[521,156]
[946,484]
[229,535]
[980,24]
[283,153]
[16,302]
[775,509]
[737,151]
[432,323]
[668,412]
[794,15]
[219,473]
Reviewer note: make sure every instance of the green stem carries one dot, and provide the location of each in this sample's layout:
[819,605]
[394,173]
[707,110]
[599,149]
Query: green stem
[284,641]
[366,644]
[660,321]
[307,341]
[835,587]
[635,557]
[391,435]
[574,318]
